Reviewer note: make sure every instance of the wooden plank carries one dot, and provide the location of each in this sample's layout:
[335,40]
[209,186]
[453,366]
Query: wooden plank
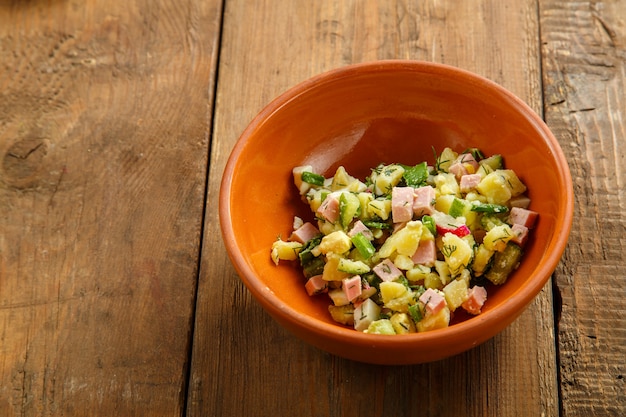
[584,49]
[243,363]
[104,120]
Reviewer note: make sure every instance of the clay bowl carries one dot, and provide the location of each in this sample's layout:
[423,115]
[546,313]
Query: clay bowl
[359,116]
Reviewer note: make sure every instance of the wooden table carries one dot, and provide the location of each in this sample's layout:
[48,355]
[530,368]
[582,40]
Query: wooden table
[116,119]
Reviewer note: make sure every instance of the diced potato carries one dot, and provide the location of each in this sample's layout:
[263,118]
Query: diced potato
[342,314]
[341,180]
[336,242]
[517,187]
[443,270]
[404,242]
[446,158]
[418,273]
[390,290]
[457,253]
[396,298]
[446,184]
[387,178]
[380,207]
[439,320]
[481,259]
[315,197]
[403,262]
[456,293]
[285,251]
[473,196]
[496,188]
[338,297]
[402,323]
[497,238]
[444,202]
[365,199]
[331,269]
[327,228]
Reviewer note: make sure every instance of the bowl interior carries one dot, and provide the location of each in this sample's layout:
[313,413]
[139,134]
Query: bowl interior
[366,115]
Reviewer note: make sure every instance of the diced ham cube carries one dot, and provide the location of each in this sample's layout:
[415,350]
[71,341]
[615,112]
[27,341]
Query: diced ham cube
[329,209]
[476,300]
[352,287]
[520,234]
[426,253]
[463,165]
[458,169]
[316,285]
[423,200]
[433,301]
[469,182]
[304,233]
[402,204]
[523,216]
[468,160]
[360,227]
[387,271]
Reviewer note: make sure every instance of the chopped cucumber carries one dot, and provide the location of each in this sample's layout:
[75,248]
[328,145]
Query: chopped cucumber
[349,208]
[489,208]
[457,208]
[504,263]
[372,224]
[352,267]
[429,222]
[494,162]
[363,245]
[311,178]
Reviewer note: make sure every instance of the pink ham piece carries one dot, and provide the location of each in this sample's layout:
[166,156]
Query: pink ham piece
[423,200]
[520,234]
[433,301]
[387,271]
[316,285]
[458,170]
[329,209]
[304,233]
[477,297]
[523,216]
[463,165]
[402,204]
[426,253]
[360,227]
[469,182]
[351,287]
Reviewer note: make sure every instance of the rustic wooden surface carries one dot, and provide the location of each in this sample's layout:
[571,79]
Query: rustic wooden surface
[116,295]
[105,113]
[584,60]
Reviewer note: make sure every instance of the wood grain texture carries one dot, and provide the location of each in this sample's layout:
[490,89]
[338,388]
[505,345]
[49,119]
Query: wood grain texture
[584,49]
[245,364]
[104,122]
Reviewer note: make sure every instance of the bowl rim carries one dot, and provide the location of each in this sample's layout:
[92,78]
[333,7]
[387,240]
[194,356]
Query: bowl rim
[512,307]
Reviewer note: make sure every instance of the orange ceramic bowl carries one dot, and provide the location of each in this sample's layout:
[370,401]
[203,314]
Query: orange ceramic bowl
[359,116]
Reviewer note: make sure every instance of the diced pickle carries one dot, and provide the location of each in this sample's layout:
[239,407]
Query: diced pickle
[504,263]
